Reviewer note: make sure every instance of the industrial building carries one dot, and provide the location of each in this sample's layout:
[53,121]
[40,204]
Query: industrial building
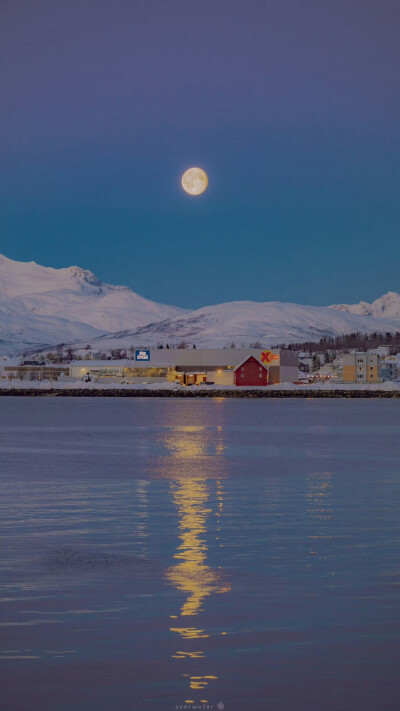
[223,366]
[30,372]
[194,366]
[361,368]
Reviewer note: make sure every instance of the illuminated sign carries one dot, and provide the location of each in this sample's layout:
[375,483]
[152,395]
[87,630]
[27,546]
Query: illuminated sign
[142,355]
[269,357]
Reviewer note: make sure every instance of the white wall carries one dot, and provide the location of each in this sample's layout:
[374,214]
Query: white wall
[288,374]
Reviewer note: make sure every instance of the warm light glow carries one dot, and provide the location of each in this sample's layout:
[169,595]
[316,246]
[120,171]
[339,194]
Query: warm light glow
[192,575]
[194,181]
[196,466]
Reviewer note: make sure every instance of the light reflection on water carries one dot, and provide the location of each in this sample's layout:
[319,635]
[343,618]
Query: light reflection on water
[188,450]
[155,553]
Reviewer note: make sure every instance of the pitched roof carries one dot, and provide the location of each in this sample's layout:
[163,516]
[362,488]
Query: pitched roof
[249,358]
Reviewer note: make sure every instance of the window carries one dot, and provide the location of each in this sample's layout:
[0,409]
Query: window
[242,374]
[260,375]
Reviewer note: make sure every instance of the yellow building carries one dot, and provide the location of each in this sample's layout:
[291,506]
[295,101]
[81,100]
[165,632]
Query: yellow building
[361,368]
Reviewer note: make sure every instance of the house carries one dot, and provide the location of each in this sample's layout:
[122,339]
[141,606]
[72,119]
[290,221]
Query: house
[251,372]
[305,365]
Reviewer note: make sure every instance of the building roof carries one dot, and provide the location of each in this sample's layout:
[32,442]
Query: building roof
[248,358]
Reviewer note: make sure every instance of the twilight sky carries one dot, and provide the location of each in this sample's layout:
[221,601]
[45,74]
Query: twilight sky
[291,106]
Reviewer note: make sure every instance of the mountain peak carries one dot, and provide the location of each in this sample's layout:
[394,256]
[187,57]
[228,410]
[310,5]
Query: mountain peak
[85,276]
[29,290]
[386,306]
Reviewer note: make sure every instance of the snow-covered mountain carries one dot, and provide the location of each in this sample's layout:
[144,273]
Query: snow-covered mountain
[387,306]
[245,322]
[41,307]
[76,294]
[20,332]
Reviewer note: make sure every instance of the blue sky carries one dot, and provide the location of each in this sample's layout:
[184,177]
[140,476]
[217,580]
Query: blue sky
[292,108]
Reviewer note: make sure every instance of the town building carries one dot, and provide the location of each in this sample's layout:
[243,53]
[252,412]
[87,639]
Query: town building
[305,365]
[251,372]
[361,368]
[191,366]
[390,368]
[34,372]
[219,366]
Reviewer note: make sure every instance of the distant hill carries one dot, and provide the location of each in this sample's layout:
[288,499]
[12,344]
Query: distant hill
[247,322]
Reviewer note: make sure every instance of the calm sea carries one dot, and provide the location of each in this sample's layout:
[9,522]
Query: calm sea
[232,554]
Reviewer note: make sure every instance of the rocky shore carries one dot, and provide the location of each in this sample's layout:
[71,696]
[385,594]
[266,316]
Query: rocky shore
[197,393]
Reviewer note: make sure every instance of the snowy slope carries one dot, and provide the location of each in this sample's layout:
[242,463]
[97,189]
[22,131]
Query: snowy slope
[20,332]
[77,295]
[245,322]
[42,305]
[387,306]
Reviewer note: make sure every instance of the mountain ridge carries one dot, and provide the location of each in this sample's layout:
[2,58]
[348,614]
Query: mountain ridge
[386,306]
[246,322]
[44,306]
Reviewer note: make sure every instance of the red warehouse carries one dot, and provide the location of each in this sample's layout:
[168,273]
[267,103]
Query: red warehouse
[251,372]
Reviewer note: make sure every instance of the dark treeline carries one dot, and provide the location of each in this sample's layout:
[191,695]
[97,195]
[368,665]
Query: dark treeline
[350,341]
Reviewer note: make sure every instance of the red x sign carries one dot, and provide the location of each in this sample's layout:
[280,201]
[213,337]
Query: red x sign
[268,356]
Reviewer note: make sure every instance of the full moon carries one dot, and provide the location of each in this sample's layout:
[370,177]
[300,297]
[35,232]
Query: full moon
[194,181]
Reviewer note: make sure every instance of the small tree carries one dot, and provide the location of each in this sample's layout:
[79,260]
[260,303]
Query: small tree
[316,363]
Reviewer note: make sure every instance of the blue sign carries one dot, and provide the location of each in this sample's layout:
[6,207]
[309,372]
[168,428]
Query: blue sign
[142,355]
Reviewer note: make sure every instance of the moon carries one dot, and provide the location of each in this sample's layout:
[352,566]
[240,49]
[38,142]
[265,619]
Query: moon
[194,181]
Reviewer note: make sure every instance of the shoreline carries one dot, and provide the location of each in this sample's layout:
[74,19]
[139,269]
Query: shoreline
[191,393]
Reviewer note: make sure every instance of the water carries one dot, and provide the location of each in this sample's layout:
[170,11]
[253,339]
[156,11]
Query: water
[163,553]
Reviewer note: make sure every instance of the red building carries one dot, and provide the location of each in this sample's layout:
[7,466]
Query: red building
[251,372]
